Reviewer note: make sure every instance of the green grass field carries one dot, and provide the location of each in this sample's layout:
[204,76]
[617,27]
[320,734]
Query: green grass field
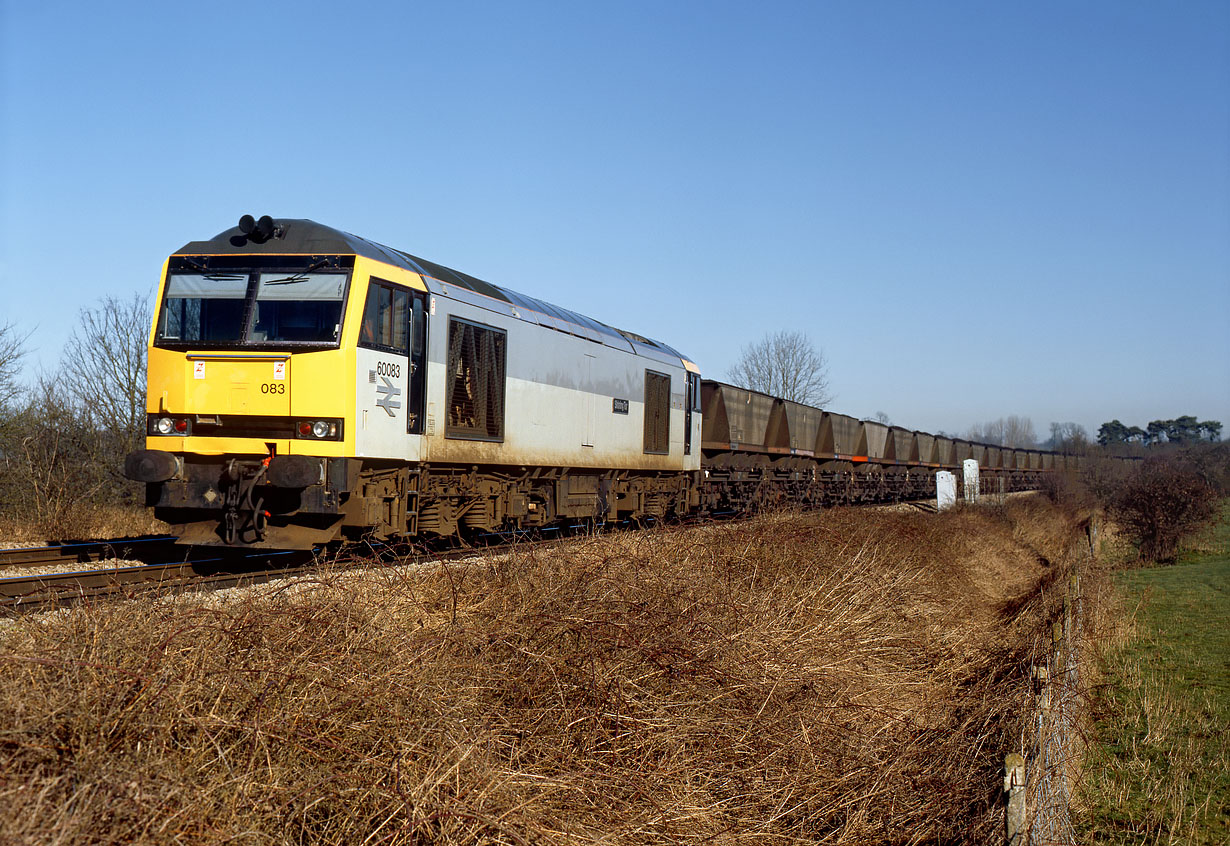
[1159,771]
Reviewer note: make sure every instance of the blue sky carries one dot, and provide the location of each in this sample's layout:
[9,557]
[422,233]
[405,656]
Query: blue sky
[974,209]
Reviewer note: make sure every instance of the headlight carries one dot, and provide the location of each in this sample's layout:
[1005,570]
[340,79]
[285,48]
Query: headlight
[165,426]
[320,429]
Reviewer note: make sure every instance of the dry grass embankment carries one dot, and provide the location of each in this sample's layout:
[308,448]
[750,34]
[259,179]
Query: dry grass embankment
[845,677]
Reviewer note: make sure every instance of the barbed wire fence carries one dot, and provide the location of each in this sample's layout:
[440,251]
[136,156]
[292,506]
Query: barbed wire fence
[1037,784]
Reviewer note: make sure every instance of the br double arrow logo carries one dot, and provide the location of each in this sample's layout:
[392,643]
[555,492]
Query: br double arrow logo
[388,393]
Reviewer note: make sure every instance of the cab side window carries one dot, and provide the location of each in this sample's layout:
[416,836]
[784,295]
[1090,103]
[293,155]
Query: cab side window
[386,318]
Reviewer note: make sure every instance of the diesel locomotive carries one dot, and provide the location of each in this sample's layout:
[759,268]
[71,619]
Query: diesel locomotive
[308,385]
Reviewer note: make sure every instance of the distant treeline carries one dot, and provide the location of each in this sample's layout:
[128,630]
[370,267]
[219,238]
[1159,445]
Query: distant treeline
[1181,430]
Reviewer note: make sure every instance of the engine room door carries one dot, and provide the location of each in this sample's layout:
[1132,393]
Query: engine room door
[689,402]
[589,400]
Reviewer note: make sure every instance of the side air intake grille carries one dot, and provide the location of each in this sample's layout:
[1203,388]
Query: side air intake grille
[657,413]
[476,362]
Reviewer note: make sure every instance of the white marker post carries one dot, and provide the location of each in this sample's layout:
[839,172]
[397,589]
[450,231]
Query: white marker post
[945,490]
[969,471]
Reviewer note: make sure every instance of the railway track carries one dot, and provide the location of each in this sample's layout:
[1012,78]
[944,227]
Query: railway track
[145,548]
[195,568]
[167,566]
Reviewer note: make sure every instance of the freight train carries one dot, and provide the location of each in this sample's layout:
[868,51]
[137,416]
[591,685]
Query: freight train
[307,385]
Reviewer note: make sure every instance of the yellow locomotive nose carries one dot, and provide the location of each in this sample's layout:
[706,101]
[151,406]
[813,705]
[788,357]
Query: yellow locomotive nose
[238,383]
[224,396]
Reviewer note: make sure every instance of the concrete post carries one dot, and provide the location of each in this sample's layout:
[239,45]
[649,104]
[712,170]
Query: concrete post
[945,490]
[1042,679]
[1014,787]
[969,475]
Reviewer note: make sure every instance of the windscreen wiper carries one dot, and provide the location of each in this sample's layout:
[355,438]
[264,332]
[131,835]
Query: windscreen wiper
[301,276]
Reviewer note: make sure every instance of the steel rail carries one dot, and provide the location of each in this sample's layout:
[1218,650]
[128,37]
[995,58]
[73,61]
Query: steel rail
[80,552]
[25,594]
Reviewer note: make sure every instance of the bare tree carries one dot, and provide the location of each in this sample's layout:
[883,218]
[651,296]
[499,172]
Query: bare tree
[55,463]
[12,351]
[991,432]
[881,417]
[63,445]
[1163,501]
[104,365]
[1012,431]
[787,365]
[1019,432]
[1070,438]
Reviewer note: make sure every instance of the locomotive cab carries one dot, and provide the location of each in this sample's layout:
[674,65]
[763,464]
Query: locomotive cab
[252,431]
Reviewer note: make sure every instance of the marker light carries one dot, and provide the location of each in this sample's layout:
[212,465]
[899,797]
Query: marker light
[322,430]
[170,426]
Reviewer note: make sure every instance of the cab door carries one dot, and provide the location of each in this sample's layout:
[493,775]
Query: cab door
[383,396]
[417,395]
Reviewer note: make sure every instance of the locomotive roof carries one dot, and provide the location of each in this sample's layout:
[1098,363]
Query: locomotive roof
[298,237]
